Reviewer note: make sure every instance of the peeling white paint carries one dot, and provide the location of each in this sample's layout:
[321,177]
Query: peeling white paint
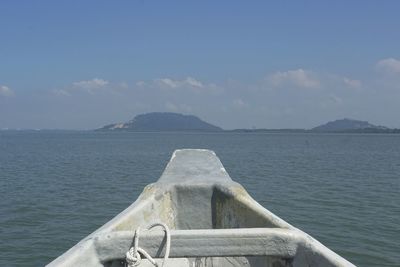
[193,193]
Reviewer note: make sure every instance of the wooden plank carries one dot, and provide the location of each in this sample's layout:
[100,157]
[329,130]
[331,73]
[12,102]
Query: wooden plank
[201,243]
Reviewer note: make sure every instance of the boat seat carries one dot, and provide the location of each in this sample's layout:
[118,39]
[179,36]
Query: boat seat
[274,242]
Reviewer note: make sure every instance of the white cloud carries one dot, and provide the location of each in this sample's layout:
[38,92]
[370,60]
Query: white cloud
[389,65]
[298,78]
[168,82]
[352,83]
[188,82]
[6,91]
[90,85]
[194,82]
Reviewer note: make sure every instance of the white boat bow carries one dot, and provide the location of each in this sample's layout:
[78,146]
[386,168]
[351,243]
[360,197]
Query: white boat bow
[212,220]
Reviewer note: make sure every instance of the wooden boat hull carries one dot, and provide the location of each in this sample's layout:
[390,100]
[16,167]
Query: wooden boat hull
[213,222]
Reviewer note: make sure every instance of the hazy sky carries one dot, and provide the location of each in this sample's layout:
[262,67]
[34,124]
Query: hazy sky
[282,64]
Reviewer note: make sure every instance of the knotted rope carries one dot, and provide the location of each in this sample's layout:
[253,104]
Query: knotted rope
[133,257]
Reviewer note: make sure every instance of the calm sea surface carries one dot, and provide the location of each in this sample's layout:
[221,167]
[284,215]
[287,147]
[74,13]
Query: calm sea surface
[58,187]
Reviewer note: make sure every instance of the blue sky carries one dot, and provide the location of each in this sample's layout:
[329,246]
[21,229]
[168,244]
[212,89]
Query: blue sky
[281,64]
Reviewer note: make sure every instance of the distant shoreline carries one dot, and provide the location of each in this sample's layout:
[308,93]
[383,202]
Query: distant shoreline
[239,131]
[169,122]
[364,131]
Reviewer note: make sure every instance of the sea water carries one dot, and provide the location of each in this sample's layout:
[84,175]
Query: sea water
[58,187]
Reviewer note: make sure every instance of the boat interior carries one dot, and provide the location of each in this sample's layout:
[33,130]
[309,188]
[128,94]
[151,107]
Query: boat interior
[211,219]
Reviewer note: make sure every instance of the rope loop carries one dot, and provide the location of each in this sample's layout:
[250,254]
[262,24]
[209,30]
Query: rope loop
[133,257]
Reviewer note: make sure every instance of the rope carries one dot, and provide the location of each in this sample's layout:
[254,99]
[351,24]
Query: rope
[133,257]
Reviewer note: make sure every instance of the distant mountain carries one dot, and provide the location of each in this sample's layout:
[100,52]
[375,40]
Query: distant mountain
[163,121]
[349,125]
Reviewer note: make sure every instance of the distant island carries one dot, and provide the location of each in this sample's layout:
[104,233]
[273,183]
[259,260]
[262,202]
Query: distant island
[168,121]
[163,121]
[337,126]
[347,125]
